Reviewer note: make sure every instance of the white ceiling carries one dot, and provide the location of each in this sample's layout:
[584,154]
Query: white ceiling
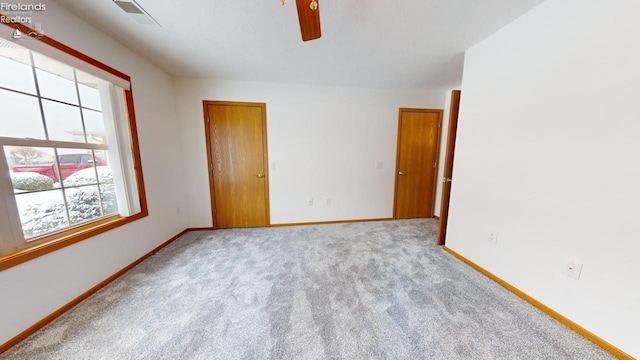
[394,44]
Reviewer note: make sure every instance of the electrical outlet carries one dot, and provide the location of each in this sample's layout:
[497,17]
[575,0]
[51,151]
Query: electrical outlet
[379,164]
[310,202]
[573,269]
[327,201]
[493,237]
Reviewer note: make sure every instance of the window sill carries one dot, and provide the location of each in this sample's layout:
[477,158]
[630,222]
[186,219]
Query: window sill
[66,238]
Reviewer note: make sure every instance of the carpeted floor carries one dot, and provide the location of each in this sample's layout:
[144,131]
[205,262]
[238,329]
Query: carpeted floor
[380,290]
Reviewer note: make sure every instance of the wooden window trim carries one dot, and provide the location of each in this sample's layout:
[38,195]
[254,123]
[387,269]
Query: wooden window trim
[71,236]
[62,47]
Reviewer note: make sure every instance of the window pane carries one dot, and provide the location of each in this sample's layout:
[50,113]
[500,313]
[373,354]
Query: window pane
[94,125]
[86,159]
[41,212]
[26,155]
[109,203]
[90,97]
[63,121]
[56,87]
[101,157]
[81,172]
[32,168]
[15,70]
[105,175]
[20,116]
[40,197]
[84,204]
[77,166]
[69,159]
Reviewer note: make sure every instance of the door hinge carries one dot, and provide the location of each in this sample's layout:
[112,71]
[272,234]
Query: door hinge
[435,164]
[211,166]
[438,124]
[208,120]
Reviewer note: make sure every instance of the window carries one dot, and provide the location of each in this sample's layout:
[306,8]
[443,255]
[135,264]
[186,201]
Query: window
[69,162]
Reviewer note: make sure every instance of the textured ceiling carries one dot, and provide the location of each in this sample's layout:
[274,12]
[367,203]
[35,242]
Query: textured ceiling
[404,44]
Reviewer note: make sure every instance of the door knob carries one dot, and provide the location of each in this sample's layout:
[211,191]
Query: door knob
[260,176]
[446,180]
[401,173]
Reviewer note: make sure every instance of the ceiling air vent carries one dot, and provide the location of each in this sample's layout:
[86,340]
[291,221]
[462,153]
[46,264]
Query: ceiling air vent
[136,11]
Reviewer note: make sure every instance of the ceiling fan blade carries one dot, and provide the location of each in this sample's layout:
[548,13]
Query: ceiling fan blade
[309,20]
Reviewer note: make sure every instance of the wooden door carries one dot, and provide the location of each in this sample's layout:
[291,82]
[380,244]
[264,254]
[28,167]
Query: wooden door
[448,165]
[237,151]
[417,163]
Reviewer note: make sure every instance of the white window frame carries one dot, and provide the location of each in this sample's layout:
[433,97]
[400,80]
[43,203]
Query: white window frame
[123,153]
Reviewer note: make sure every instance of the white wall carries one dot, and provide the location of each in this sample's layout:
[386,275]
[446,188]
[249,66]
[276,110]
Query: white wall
[33,290]
[547,155]
[324,142]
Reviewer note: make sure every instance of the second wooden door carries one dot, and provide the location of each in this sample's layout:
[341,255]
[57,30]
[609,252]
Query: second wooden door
[417,162]
[237,153]
[448,165]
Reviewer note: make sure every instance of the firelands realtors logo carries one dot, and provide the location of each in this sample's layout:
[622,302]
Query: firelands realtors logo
[21,14]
